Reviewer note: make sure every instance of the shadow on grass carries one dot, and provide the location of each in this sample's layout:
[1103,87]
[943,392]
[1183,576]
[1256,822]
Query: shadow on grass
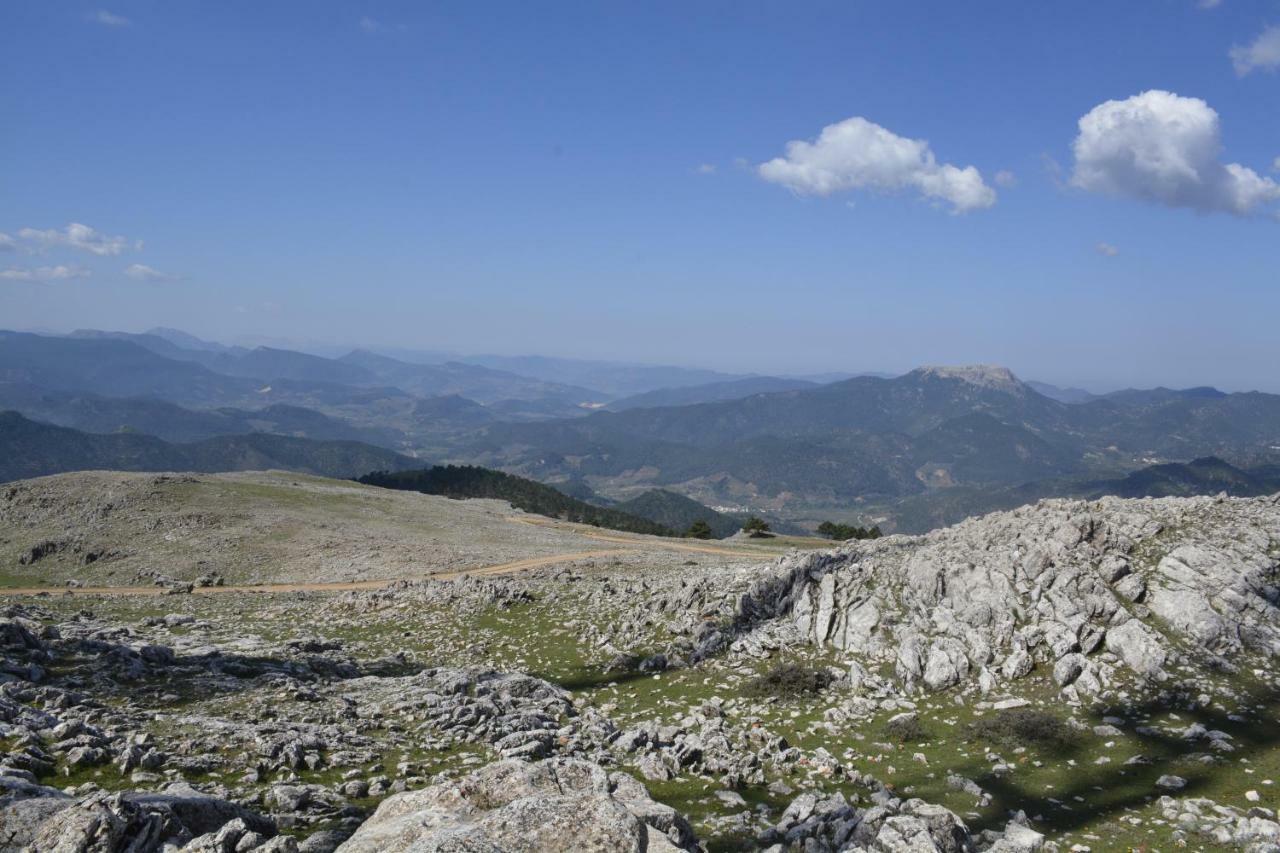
[1109,789]
[119,670]
[588,679]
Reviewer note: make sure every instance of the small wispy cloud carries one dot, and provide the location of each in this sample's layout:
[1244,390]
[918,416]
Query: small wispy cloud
[1209,4]
[109,19]
[1005,179]
[706,168]
[142,272]
[1107,250]
[9,244]
[1261,54]
[75,236]
[61,272]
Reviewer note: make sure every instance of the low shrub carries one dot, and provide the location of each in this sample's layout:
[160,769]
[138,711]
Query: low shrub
[905,728]
[1014,727]
[789,680]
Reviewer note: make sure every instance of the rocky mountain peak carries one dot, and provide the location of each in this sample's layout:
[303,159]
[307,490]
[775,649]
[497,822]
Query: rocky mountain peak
[989,376]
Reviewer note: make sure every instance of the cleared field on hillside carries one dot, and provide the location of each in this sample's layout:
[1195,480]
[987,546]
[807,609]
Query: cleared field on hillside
[121,529]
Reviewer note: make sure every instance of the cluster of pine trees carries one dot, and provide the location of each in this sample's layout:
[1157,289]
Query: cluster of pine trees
[845,532]
[470,481]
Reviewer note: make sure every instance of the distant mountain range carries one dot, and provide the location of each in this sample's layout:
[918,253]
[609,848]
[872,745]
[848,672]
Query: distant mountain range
[933,444]
[32,449]
[610,379]
[359,368]
[171,422]
[1206,476]
[713,392]
[1062,395]
[876,441]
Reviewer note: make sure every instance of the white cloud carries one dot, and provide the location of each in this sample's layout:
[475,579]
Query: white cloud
[1005,178]
[76,236]
[1263,54]
[1107,249]
[1275,166]
[142,272]
[9,244]
[1209,4]
[1162,148]
[706,169]
[58,273]
[857,154]
[109,19]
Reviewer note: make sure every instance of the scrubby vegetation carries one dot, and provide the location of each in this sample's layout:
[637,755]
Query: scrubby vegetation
[1023,727]
[789,680]
[905,728]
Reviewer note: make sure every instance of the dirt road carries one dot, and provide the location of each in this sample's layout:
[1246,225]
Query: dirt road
[335,586]
[634,543]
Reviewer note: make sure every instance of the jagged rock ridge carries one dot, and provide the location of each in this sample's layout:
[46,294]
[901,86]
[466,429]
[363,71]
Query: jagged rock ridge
[1089,591]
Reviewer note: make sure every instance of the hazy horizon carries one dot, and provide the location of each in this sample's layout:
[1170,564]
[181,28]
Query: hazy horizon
[1093,203]
[423,355]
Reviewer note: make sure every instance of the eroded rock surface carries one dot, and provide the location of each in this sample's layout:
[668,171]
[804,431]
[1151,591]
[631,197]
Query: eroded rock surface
[542,807]
[1083,589]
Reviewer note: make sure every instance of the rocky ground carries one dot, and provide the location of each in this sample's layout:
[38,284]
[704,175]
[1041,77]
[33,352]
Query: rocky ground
[1070,676]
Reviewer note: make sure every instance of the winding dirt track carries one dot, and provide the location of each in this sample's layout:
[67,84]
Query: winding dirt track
[496,569]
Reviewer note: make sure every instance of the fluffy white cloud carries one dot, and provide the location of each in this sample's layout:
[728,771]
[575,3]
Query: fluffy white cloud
[1107,249]
[142,272]
[857,154]
[1163,148]
[76,236]
[1262,54]
[109,19]
[58,273]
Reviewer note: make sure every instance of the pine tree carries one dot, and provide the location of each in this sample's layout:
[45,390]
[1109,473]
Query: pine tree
[698,530]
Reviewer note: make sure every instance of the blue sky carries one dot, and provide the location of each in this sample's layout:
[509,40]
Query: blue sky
[586,179]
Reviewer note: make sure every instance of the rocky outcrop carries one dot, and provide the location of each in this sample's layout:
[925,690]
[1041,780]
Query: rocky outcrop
[553,805]
[1084,591]
[889,824]
[37,819]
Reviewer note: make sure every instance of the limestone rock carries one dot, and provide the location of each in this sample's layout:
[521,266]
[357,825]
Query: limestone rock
[550,805]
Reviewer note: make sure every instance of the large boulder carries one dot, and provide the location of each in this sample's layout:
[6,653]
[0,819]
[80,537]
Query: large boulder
[541,807]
